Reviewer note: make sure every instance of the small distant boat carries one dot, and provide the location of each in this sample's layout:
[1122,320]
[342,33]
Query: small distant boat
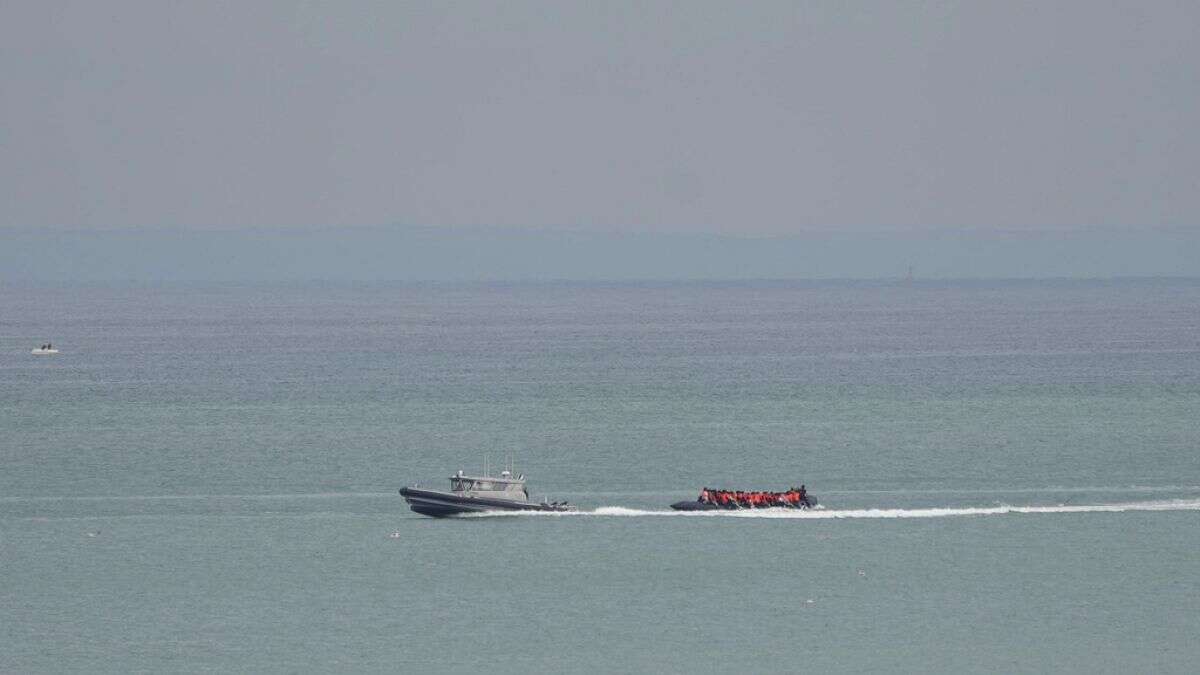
[44,350]
[477,494]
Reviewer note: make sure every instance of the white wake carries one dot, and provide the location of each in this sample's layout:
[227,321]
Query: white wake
[821,513]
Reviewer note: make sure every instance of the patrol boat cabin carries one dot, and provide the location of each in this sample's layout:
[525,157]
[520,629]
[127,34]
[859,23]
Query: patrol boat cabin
[502,487]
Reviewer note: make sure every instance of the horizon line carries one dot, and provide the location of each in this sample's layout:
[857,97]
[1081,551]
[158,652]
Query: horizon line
[609,230]
[895,280]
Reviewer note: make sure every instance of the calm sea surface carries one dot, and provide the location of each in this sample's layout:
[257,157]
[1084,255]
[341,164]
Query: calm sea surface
[205,478]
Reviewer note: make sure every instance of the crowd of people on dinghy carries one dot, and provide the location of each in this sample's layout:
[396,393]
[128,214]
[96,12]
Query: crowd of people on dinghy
[791,498]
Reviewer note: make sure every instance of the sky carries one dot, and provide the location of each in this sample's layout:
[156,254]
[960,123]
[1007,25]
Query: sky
[794,139]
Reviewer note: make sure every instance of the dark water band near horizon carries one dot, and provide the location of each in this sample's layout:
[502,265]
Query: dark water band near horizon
[204,478]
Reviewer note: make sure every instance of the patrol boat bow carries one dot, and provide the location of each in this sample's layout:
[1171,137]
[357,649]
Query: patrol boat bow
[477,494]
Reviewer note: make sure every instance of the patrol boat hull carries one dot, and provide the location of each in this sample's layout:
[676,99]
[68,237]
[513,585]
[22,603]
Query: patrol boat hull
[440,504]
[808,503]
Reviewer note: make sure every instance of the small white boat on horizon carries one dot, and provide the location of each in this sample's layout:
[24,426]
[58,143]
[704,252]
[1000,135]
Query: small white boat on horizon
[44,350]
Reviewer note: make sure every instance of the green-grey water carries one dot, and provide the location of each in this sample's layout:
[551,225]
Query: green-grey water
[204,479]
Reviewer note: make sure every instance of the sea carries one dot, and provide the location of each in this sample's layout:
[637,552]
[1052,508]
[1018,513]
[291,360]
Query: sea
[205,478]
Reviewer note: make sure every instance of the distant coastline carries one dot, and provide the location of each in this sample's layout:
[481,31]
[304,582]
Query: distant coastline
[422,254]
[884,282]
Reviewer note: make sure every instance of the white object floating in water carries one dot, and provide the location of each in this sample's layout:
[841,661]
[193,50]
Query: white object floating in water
[42,351]
[394,535]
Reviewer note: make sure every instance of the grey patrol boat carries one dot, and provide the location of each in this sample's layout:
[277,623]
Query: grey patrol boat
[476,494]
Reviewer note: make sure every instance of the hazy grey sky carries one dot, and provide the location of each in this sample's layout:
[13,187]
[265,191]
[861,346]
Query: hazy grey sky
[734,118]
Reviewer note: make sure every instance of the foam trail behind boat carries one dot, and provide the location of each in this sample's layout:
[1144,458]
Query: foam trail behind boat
[821,513]
[929,512]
